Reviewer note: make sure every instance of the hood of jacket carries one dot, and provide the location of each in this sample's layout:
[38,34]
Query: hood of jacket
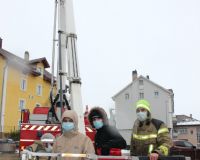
[73,115]
[100,112]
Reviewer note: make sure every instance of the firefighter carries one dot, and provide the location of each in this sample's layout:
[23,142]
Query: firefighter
[44,145]
[71,140]
[150,137]
[107,137]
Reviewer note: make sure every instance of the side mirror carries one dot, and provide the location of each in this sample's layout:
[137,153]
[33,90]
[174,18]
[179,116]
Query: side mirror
[194,147]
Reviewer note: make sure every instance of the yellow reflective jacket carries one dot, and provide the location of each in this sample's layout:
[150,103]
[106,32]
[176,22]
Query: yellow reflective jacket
[146,139]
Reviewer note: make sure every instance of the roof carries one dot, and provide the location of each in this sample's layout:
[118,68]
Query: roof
[26,66]
[169,91]
[18,62]
[40,60]
[183,120]
[190,123]
[47,76]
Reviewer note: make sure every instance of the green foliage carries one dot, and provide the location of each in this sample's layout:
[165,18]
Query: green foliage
[15,135]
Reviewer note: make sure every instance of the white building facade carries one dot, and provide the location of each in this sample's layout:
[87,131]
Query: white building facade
[161,102]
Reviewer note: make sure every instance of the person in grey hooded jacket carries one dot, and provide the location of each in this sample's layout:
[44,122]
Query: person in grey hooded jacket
[107,136]
[71,140]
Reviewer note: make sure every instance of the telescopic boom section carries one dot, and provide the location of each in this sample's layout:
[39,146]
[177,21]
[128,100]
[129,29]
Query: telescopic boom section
[68,58]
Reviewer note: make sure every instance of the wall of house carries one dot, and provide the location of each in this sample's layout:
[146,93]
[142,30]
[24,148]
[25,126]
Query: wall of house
[15,93]
[125,108]
[1,74]
[190,133]
[161,106]
[2,65]
[125,112]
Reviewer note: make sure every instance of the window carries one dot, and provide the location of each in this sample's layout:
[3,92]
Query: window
[39,69]
[23,84]
[21,104]
[188,144]
[126,96]
[183,143]
[141,95]
[156,93]
[182,131]
[141,83]
[19,123]
[198,137]
[37,105]
[39,90]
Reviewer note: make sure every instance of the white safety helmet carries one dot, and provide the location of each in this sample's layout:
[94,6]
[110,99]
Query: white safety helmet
[47,138]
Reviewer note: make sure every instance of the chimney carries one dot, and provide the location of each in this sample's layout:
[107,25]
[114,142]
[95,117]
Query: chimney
[147,76]
[1,40]
[26,56]
[190,115]
[134,75]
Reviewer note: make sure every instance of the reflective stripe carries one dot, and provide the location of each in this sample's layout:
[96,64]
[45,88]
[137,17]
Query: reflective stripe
[33,127]
[25,127]
[47,128]
[47,140]
[73,155]
[54,128]
[144,137]
[150,148]
[27,140]
[164,150]
[40,127]
[163,130]
[89,129]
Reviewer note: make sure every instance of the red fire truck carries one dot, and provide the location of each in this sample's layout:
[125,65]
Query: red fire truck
[34,125]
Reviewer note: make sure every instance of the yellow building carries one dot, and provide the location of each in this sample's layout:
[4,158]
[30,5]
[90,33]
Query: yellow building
[24,84]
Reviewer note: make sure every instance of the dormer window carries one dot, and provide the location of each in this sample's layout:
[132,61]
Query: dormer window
[40,70]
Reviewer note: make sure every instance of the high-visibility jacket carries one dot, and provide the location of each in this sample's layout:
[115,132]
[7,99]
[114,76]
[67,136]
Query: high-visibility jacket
[147,138]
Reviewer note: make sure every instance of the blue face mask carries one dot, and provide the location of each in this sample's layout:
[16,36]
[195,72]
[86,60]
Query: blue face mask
[142,116]
[98,124]
[67,126]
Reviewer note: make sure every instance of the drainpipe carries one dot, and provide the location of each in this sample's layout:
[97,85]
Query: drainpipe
[3,97]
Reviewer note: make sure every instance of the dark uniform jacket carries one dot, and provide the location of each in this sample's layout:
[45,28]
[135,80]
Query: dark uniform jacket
[148,137]
[108,136]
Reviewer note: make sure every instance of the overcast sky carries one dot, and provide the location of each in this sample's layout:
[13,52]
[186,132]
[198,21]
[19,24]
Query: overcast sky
[159,38]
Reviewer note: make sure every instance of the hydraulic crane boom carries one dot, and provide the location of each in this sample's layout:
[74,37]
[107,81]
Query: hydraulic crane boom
[68,59]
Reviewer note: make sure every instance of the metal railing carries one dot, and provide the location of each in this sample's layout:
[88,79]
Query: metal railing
[26,155]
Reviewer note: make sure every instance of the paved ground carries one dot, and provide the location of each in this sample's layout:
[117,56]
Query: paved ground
[9,156]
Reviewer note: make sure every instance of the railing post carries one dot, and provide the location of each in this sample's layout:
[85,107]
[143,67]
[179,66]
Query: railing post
[24,156]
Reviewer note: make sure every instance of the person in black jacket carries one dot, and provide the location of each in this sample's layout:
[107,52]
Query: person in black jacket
[107,136]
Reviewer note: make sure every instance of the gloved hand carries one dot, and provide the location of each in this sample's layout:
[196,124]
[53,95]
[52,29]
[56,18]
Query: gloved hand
[153,156]
[105,149]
